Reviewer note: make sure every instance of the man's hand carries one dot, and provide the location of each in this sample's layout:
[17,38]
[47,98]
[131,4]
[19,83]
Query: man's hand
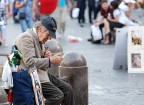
[47,54]
[56,59]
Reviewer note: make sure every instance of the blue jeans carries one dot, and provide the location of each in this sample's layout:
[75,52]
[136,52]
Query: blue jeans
[25,24]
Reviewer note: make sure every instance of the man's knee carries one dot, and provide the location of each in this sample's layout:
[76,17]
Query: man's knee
[68,88]
[59,96]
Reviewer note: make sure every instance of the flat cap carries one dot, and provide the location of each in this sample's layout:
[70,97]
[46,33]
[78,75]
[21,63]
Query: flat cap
[51,25]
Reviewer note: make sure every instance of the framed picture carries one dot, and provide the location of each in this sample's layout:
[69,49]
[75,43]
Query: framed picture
[135,61]
[136,49]
[135,39]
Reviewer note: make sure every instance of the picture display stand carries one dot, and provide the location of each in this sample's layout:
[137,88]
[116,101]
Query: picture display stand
[136,49]
[120,57]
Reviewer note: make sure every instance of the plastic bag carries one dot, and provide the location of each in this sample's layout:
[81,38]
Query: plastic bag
[7,73]
[96,33]
[75,12]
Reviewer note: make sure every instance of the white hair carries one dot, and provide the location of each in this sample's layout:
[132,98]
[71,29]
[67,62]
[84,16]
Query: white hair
[39,24]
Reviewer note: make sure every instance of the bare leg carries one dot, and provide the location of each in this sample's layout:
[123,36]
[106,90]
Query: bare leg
[106,26]
[107,31]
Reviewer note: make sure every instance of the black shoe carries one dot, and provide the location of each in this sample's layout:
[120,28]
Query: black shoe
[90,21]
[96,42]
[90,39]
[81,25]
[0,43]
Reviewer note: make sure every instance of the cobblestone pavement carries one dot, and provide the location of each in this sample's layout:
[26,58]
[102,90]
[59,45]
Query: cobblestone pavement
[106,86]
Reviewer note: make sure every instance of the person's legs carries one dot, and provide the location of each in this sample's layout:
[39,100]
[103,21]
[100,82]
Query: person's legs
[0,36]
[101,26]
[83,15]
[29,23]
[90,13]
[106,26]
[107,31]
[52,94]
[64,15]
[3,29]
[59,20]
[96,10]
[65,88]
[79,16]
[109,26]
[23,24]
[60,17]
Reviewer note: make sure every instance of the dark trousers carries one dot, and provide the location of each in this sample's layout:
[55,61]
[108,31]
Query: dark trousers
[57,92]
[115,25]
[81,17]
[101,26]
[93,9]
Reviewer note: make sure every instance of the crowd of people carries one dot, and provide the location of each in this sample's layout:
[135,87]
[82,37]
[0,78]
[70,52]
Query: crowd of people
[29,11]
[113,14]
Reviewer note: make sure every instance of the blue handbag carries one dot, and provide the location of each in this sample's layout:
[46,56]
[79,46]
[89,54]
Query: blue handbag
[23,90]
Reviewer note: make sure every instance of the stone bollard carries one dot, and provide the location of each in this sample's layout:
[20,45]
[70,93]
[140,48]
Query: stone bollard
[55,47]
[74,69]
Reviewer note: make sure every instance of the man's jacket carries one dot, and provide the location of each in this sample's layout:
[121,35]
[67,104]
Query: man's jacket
[28,44]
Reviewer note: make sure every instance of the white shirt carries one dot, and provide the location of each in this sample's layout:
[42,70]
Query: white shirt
[122,18]
[123,7]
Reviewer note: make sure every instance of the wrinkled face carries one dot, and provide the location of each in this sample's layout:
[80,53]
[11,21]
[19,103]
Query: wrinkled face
[105,6]
[43,35]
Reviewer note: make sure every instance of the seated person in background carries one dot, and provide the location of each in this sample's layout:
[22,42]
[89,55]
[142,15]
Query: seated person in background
[105,9]
[128,6]
[120,20]
[140,4]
